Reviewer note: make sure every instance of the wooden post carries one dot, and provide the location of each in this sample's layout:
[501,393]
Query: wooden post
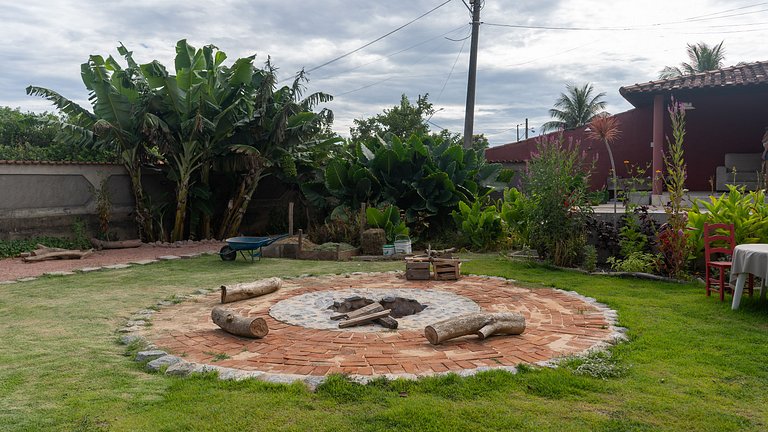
[290,218]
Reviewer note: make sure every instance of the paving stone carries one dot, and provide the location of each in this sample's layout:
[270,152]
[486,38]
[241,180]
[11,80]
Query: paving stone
[181,368]
[117,266]
[143,356]
[166,360]
[89,269]
[188,256]
[144,262]
[168,257]
[129,339]
[58,273]
[133,323]
[27,279]
[8,282]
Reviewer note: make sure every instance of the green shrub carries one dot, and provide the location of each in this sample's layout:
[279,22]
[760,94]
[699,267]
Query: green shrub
[515,211]
[635,262]
[590,258]
[558,179]
[747,211]
[480,225]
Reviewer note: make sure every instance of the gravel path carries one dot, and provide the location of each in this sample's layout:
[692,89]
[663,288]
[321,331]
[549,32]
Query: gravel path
[14,268]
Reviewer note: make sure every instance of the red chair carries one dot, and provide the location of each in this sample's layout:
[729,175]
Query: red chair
[720,239]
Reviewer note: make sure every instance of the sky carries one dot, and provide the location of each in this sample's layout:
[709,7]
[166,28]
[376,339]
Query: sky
[529,50]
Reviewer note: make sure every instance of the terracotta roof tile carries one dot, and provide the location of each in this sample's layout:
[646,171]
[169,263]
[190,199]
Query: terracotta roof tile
[747,74]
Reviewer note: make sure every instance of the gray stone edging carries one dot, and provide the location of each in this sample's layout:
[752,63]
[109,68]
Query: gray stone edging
[177,366]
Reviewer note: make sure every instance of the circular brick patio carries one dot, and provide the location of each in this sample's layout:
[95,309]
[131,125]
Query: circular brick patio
[558,323]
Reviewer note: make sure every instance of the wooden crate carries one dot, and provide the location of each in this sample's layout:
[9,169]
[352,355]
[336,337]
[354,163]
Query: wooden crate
[446,269]
[417,269]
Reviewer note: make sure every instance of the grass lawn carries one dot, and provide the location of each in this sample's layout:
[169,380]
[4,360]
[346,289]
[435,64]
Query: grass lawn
[693,364]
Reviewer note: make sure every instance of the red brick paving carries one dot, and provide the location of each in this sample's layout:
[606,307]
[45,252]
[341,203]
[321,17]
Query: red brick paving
[557,324]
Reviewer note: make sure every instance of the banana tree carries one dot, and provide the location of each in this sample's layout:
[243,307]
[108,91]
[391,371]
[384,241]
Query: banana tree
[283,125]
[121,120]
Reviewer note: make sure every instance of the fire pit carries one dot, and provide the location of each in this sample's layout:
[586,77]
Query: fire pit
[413,308]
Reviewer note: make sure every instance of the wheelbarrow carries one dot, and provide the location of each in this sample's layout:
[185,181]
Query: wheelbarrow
[250,245]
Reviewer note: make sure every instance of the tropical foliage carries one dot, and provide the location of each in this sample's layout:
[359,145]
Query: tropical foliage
[576,107]
[701,58]
[207,116]
[387,219]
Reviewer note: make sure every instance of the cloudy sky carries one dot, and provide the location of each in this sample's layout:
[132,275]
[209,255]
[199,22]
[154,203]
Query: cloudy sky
[529,49]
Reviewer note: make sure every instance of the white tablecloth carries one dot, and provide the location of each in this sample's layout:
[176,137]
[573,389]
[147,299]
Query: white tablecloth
[750,258]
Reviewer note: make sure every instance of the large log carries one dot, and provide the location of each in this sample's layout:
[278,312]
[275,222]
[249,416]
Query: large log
[248,290]
[365,310]
[102,244]
[481,324]
[239,325]
[43,253]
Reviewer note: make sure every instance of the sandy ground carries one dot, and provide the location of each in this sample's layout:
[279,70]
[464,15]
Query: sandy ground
[15,268]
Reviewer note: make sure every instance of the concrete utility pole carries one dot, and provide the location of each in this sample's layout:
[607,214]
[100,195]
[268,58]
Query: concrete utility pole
[469,115]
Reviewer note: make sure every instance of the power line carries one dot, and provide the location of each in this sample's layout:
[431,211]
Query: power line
[392,54]
[461,50]
[729,10]
[380,37]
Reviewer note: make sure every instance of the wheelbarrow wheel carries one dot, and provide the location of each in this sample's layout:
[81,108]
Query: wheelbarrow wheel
[227,254]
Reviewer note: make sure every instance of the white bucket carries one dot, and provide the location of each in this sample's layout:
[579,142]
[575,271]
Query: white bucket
[388,250]
[403,245]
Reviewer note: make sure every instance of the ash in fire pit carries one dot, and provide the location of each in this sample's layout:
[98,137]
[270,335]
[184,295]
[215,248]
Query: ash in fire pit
[398,306]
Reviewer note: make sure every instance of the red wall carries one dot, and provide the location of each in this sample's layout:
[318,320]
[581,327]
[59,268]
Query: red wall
[723,121]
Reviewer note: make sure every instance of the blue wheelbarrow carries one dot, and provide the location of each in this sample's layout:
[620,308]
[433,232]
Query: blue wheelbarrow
[250,245]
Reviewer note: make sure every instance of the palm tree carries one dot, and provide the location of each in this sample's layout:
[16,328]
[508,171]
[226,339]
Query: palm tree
[702,58]
[575,108]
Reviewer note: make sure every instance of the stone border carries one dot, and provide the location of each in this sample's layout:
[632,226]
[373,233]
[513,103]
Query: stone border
[157,360]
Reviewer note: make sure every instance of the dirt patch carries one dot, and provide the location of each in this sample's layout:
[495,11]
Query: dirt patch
[14,268]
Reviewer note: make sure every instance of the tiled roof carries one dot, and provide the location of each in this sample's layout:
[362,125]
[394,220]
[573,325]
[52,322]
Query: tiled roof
[748,74]
[28,162]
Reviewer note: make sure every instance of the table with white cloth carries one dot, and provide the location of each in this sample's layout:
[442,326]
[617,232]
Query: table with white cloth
[748,259]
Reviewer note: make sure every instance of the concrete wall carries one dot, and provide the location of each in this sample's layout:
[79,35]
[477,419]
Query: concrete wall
[46,199]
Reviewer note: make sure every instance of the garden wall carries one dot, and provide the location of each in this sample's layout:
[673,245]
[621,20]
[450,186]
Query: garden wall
[48,198]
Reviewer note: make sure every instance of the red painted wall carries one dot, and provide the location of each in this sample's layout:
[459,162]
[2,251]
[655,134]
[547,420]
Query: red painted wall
[723,121]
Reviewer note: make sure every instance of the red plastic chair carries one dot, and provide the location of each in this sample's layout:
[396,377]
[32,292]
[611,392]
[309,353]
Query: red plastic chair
[716,242]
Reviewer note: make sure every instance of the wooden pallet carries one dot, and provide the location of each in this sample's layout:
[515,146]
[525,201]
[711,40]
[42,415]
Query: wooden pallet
[446,269]
[417,268]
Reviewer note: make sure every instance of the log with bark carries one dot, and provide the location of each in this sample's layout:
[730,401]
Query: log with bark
[481,324]
[125,244]
[45,253]
[248,290]
[231,322]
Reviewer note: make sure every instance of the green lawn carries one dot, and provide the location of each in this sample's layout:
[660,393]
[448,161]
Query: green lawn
[693,364]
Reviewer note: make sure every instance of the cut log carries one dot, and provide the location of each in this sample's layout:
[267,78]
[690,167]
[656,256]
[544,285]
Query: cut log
[244,291]
[365,319]
[125,244]
[231,322]
[47,254]
[386,322]
[481,324]
[365,310]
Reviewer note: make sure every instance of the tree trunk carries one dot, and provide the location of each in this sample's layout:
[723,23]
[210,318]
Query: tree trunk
[143,214]
[44,253]
[244,291]
[102,244]
[238,205]
[481,324]
[239,325]
[182,194]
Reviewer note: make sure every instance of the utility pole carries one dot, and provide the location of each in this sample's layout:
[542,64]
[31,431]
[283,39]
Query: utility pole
[526,128]
[469,115]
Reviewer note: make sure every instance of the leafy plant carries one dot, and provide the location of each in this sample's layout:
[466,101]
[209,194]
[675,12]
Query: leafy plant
[558,179]
[747,211]
[635,262]
[104,209]
[481,226]
[590,258]
[387,219]
[515,211]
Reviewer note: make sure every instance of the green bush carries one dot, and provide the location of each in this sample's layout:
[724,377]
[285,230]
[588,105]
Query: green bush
[558,179]
[635,262]
[748,212]
[480,225]
[387,219]
[515,211]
